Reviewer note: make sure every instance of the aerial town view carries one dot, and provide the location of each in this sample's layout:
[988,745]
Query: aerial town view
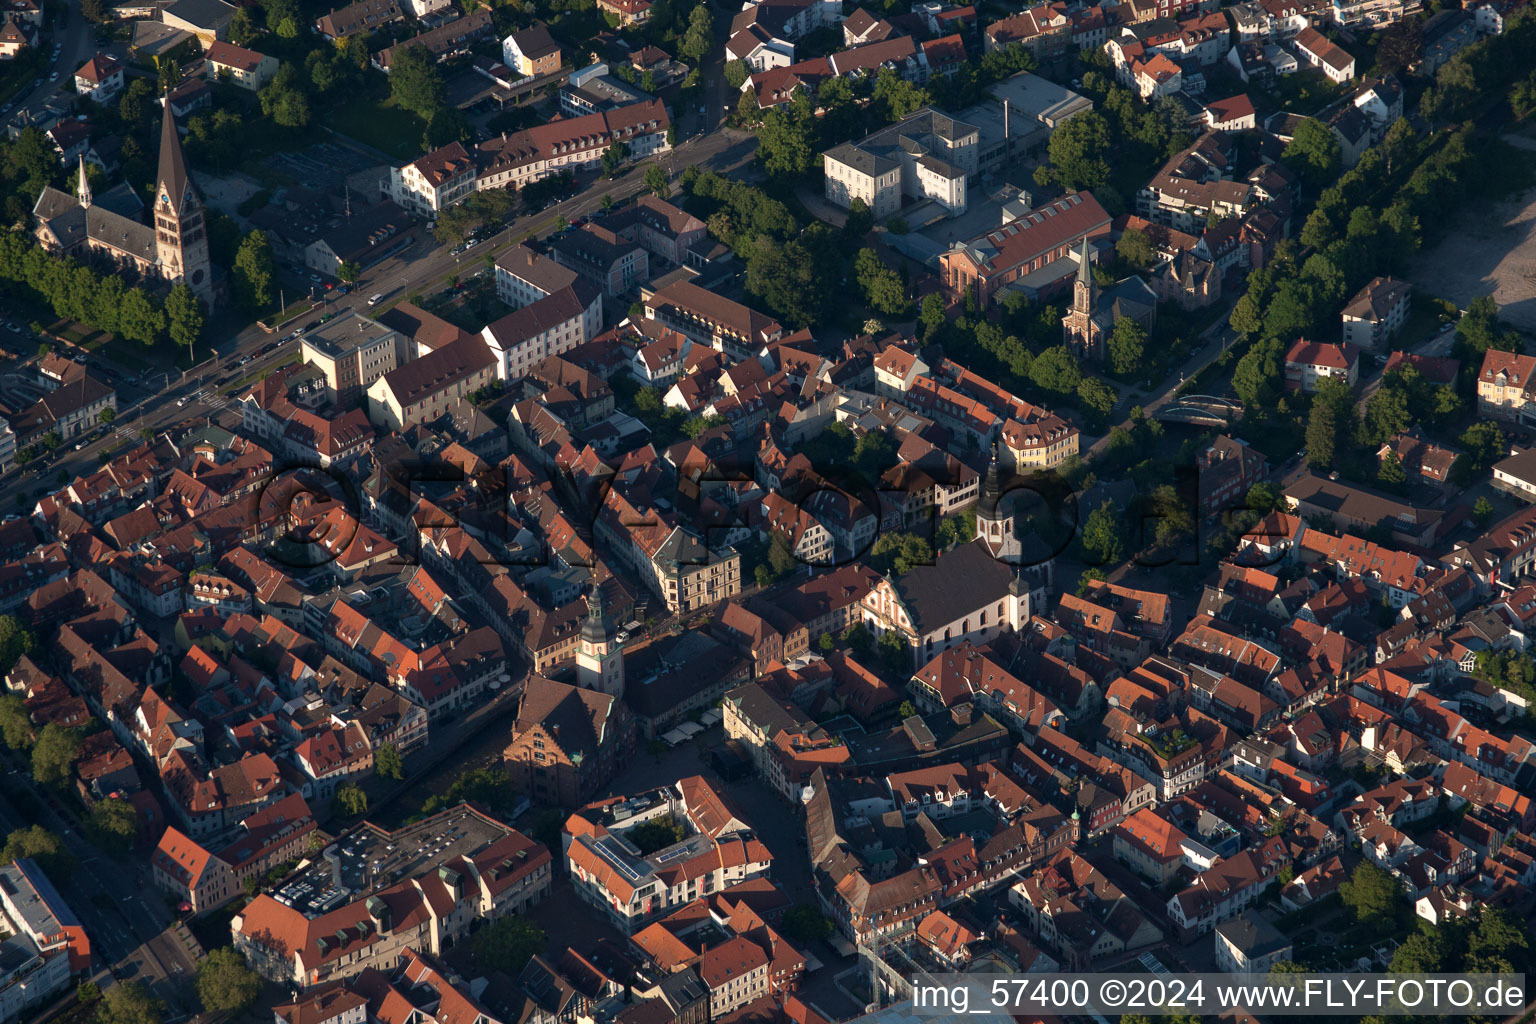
[767,511]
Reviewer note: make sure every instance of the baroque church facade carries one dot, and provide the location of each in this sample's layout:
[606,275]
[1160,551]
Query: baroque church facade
[173,249]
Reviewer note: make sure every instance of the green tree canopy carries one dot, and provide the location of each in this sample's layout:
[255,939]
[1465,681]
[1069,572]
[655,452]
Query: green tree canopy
[129,1003]
[656,181]
[1370,892]
[506,944]
[15,640]
[1313,152]
[254,270]
[415,81]
[43,846]
[225,983]
[803,924]
[352,800]
[1079,153]
[15,722]
[113,824]
[388,763]
[1104,535]
[54,755]
[1127,346]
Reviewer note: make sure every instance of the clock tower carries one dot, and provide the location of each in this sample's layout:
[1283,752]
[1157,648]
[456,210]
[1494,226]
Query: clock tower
[599,661]
[181,233]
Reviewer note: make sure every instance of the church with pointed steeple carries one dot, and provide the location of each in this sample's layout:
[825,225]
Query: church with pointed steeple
[1088,324]
[172,250]
[599,658]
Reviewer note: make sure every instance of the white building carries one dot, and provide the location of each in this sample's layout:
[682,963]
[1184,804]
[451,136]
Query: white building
[47,944]
[927,156]
[1376,313]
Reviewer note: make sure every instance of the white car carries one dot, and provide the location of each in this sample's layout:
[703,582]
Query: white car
[53,77]
[181,403]
[80,446]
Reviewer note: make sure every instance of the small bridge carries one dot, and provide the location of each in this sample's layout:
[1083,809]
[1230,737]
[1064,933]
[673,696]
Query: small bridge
[1201,411]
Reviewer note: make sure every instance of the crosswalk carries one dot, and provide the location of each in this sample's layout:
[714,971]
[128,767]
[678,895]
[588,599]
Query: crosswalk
[206,395]
[209,396]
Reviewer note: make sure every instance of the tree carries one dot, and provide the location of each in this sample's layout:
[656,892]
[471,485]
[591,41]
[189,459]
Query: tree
[931,315]
[613,159]
[349,271]
[1423,952]
[183,316]
[803,924]
[893,97]
[700,37]
[905,710]
[1095,396]
[1370,892]
[1483,443]
[253,271]
[43,846]
[169,72]
[15,640]
[1055,369]
[113,823]
[1331,421]
[15,723]
[736,73]
[1313,152]
[787,139]
[242,27]
[352,800]
[506,944]
[1135,248]
[54,755]
[881,285]
[283,99]
[106,415]
[1391,472]
[95,11]
[135,102]
[1127,345]
[129,1003]
[656,180]
[1103,535]
[1078,150]
[388,763]
[859,220]
[137,318]
[415,82]
[1400,46]
[1482,510]
[225,984]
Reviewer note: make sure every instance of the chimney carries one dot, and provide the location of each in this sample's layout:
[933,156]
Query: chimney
[961,713]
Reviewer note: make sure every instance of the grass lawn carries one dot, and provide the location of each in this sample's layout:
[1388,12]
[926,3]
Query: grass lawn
[376,121]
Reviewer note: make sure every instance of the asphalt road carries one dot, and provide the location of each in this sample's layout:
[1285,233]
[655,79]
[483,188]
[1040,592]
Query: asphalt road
[77,41]
[133,933]
[422,268]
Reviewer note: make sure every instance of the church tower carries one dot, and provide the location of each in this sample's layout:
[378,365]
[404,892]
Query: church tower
[1078,326]
[599,660]
[993,525]
[83,188]
[181,235]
